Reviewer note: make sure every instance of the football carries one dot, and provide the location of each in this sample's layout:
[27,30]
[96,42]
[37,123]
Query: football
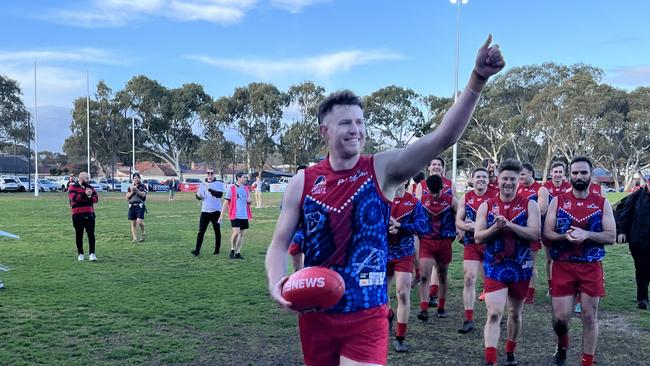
[313,288]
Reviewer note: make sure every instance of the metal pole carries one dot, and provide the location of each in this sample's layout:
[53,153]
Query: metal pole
[454,164]
[133,144]
[35,136]
[88,121]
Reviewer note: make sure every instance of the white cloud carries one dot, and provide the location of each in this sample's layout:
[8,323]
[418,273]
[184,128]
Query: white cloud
[294,6]
[319,66]
[630,76]
[56,86]
[91,55]
[115,13]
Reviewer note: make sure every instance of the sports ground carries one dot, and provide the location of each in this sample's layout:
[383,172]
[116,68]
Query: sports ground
[153,303]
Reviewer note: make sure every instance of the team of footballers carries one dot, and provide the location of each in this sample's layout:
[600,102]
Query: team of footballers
[352,213]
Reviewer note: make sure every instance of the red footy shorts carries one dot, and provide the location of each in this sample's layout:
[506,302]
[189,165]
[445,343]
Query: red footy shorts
[473,252]
[569,278]
[404,264]
[518,290]
[535,246]
[439,249]
[294,249]
[361,336]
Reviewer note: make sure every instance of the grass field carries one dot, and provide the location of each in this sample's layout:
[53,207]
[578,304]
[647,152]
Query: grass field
[153,303]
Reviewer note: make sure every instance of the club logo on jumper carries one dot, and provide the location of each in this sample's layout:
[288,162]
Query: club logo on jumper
[320,186]
[567,205]
[408,203]
[592,206]
[580,203]
[353,178]
[304,283]
[517,208]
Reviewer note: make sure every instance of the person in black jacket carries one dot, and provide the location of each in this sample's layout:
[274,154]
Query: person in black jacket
[633,226]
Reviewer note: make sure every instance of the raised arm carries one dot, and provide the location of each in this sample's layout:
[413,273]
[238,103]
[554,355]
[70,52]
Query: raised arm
[393,167]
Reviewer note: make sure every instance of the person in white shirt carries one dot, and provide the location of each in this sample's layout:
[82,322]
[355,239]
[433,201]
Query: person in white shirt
[210,193]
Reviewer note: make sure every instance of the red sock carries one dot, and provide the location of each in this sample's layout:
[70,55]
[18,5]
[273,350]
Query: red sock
[490,355]
[433,290]
[469,315]
[531,293]
[563,341]
[401,329]
[510,346]
[424,305]
[441,304]
[587,360]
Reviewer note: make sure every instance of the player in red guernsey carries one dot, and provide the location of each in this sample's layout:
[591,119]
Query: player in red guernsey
[343,206]
[435,247]
[473,253]
[508,224]
[578,226]
[558,183]
[596,189]
[493,185]
[407,219]
[435,167]
[533,190]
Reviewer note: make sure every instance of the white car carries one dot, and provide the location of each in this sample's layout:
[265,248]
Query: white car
[61,182]
[98,187]
[22,182]
[8,185]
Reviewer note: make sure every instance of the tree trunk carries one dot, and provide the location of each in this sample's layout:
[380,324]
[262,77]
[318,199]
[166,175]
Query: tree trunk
[547,161]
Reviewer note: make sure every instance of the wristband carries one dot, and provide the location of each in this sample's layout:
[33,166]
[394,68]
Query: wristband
[479,76]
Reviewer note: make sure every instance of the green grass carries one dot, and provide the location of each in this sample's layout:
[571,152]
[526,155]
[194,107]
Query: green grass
[153,303]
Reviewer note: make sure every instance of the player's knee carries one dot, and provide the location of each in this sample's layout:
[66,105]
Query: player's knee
[494,317]
[470,279]
[403,294]
[560,326]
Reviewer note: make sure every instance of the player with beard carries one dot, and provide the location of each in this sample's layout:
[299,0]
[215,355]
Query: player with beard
[493,184]
[435,247]
[407,219]
[533,190]
[473,253]
[578,226]
[343,203]
[508,224]
[436,167]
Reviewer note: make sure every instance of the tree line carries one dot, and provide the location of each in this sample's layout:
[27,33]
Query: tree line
[535,113]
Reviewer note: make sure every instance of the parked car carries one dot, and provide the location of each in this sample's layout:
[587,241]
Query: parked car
[8,185]
[47,185]
[608,189]
[23,183]
[61,182]
[98,187]
[191,185]
[110,184]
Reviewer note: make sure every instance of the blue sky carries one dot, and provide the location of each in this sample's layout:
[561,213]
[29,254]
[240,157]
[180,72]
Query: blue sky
[355,44]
